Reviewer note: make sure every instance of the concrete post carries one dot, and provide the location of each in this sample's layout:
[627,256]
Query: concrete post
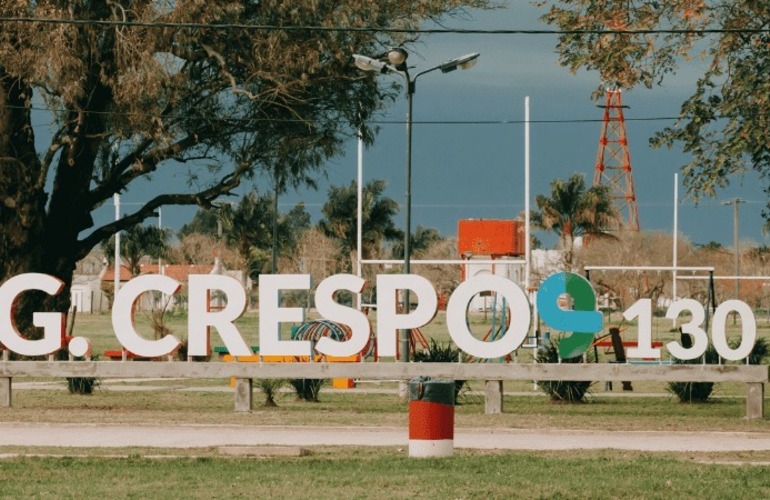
[493,397]
[755,401]
[5,392]
[243,394]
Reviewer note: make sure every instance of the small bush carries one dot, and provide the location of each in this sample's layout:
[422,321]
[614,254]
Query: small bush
[438,353]
[564,391]
[695,392]
[700,392]
[82,385]
[181,353]
[758,353]
[270,388]
[307,388]
[78,385]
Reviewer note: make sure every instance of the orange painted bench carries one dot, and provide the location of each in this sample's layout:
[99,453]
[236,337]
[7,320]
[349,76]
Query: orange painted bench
[337,383]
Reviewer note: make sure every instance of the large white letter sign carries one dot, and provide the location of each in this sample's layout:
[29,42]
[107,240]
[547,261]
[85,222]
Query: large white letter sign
[271,315]
[201,318]
[52,323]
[328,308]
[458,327]
[748,330]
[388,319]
[700,339]
[123,315]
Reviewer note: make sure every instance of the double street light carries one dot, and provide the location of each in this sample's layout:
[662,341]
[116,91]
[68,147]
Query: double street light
[394,61]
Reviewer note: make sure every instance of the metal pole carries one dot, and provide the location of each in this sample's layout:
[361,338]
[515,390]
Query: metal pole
[527,237]
[736,251]
[274,257]
[676,236]
[116,267]
[360,211]
[160,227]
[410,88]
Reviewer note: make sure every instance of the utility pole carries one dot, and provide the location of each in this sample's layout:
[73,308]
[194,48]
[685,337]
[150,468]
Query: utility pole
[736,253]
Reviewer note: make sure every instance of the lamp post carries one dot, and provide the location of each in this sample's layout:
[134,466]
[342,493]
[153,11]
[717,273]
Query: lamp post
[394,61]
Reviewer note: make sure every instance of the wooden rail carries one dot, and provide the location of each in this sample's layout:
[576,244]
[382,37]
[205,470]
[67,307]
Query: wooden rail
[754,376]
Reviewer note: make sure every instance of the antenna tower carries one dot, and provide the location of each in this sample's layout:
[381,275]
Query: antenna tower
[613,161]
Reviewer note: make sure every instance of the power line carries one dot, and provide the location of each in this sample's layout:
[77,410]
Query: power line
[375,121]
[429,31]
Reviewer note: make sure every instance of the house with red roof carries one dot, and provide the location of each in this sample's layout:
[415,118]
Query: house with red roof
[179,272]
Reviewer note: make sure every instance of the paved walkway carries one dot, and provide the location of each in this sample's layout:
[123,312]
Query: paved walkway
[193,436]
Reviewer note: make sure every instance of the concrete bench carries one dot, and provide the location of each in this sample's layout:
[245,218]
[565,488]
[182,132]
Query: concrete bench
[754,376]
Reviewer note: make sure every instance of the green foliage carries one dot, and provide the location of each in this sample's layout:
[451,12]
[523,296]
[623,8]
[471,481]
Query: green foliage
[441,353]
[695,392]
[700,392]
[205,221]
[422,239]
[248,226]
[138,242]
[307,389]
[723,124]
[340,212]
[270,388]
[758,353]
[82,385]
[574,210]
[564,391]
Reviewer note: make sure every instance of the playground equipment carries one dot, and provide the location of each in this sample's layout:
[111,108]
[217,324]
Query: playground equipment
[481,241]
[616,344]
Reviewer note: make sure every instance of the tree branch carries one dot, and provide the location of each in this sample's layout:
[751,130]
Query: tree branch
[203,198]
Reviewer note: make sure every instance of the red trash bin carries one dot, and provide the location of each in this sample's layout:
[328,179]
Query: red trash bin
[431,417]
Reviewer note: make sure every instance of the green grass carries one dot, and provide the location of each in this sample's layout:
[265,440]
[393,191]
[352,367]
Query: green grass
[384,473]
[334,409]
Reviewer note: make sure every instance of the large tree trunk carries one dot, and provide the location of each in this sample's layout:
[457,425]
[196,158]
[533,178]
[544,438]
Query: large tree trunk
[35,237]
[22,197]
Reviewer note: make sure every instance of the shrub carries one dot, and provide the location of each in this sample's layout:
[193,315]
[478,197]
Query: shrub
[78,385]
[700,392]
[307,388]
[82,385]
[438,353]
[565,391]
[270,387]
[695,392]
[758,353]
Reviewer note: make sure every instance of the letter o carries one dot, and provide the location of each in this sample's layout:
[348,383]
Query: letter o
[748,330]
[520,314]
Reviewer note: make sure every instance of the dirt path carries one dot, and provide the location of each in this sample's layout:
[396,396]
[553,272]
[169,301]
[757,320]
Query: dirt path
[193,436]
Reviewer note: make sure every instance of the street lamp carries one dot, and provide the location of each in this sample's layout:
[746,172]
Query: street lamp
[394,61]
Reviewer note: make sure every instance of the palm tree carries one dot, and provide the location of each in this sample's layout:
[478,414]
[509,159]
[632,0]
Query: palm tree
[339,218]
[136,243]
[422,240]
[248,227]
[574,211]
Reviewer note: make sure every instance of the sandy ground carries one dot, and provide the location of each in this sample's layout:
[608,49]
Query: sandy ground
[194,436]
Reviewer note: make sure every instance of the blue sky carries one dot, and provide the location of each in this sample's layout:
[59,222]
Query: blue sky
[476,170]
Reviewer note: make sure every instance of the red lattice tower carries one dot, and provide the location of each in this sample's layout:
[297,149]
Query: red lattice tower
[613,161]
